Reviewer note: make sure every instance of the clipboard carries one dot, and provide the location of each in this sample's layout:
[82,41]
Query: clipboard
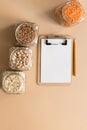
[55,61]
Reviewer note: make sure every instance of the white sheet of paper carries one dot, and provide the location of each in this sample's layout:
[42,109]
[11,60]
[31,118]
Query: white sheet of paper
[56,61]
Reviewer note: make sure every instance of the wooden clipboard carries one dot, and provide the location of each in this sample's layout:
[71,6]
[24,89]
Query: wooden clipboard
[39,58]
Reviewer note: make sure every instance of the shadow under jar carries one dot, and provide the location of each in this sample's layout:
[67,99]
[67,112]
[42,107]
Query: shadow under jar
[13,82]
[20,58]
[70,13]
[26,34]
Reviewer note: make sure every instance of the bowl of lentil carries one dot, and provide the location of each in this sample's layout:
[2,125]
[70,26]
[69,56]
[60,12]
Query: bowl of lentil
[26,34]
[71,12]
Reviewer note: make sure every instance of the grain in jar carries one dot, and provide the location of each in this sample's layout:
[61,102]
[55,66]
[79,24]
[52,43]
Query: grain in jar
[13,82]
[20,58]
[26,34]
[70,13]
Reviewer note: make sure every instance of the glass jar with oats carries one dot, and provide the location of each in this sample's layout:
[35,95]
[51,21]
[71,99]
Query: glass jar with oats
[20,58]
[70,13]
[26,34]
[13,82]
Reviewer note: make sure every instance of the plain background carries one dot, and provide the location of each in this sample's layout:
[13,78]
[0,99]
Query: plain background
[42,107]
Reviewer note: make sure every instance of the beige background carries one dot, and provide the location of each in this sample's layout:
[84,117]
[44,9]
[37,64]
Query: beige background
[42,107]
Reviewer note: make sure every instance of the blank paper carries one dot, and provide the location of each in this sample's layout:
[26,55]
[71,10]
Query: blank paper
[56,61]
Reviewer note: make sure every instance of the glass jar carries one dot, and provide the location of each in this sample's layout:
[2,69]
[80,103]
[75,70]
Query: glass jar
[70,12]
[13,82]
[26,34]
[20,58]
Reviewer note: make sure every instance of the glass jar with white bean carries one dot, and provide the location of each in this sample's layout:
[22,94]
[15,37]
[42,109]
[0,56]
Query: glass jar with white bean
[13,82]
